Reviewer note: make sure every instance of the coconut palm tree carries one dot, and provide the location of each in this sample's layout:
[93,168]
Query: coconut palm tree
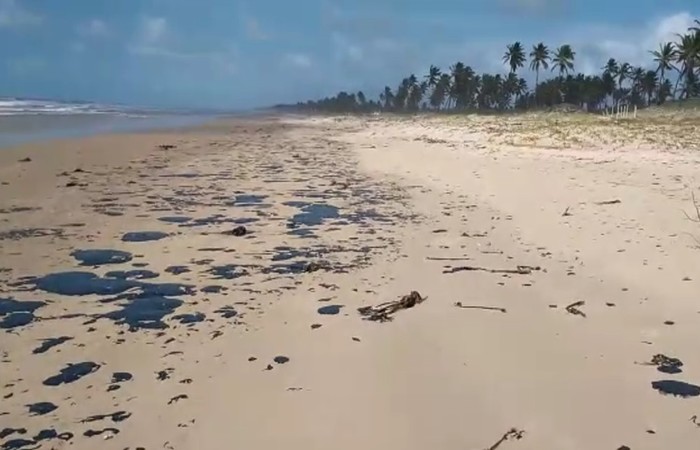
[563,59]
[688,57]
[663,57]
[433,76]
[514,56]
[650,84]
[539,59]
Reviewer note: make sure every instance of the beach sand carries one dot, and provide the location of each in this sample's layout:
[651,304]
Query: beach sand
[186,334]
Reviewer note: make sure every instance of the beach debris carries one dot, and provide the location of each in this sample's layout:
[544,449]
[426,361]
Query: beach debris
[281,359]
[23,160]
[513,433]
[239,231]
[574,308]
[166,146]
[118,416]
[676,388]
[177,398]
[665,364]
[695,421]
[519,270]
[566,212]
[447,258]
[41,408]
[383,312]
[91,433]
[72,372]
[316,326]
[489,308]
[330,310]
[609,202]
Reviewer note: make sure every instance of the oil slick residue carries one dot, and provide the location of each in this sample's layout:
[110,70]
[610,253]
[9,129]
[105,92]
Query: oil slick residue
[188,319]
[312,214]
[72,373]
[137,274]
[98,257]
[86,283]
[41,408]
[330,310]
[175,219]
[144,236]
[676,388]
[227,272]
[144,311]
[50,343]
[17,313]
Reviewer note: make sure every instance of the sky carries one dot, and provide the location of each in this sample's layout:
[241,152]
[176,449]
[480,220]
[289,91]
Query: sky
[239,54]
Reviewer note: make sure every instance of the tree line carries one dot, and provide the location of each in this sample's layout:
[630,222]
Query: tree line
[676,75]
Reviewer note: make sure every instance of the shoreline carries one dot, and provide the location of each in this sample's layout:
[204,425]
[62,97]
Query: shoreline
[223,301]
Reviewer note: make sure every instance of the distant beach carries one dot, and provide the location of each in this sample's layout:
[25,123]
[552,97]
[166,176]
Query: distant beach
[24,121]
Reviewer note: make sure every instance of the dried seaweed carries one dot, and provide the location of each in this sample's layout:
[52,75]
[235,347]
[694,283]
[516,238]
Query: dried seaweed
[383,312]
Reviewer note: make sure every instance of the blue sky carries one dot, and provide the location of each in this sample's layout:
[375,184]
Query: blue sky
[246,53]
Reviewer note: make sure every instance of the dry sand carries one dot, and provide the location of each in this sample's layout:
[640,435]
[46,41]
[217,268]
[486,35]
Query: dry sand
[591,209]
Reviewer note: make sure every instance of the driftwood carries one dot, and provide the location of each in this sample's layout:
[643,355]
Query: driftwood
[609,202]
[513,433]
[489,308]
[573,308]
[383,312]
[519,270]
[445,258]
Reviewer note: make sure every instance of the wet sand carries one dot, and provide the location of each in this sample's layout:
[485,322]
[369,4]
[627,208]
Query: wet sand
[199,289]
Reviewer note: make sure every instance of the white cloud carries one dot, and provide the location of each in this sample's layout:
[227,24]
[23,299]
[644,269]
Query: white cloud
[14,15]
[300,60]
[94,28]
[26,66]
[254,30]
[153,30]
[77,47]
[344,49]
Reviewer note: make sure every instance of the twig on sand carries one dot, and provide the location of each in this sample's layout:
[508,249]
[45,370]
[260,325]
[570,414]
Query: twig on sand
[513,433]
[520,270]
[445,258]
[383,312]
[490,308]
[573,308]
[566,212]
[695,219]
[609,202]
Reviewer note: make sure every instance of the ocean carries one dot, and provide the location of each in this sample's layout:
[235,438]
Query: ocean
[30,120]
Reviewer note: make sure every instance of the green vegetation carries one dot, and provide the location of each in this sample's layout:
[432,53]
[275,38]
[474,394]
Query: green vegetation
[461,89]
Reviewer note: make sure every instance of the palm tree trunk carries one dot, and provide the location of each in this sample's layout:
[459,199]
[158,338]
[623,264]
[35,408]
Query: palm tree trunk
[537,82]
[661,86]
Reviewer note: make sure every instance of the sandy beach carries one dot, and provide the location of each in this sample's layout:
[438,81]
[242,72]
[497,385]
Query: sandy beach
[199,288]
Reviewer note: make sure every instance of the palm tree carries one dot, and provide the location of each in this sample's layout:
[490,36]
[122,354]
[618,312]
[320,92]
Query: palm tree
[650,84]
[539,58]
[433,76]
[688,56]
[514,56]
[663,57]
[387,97]
[563,59]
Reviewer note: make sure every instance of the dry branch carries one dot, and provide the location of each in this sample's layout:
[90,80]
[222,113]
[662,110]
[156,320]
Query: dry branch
[573,308]
[519,270]
[383,312]
[609,202]
[513,433]
[695,219]
[490,308]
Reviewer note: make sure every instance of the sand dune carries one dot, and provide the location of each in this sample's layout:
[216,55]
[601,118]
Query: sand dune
[199,289]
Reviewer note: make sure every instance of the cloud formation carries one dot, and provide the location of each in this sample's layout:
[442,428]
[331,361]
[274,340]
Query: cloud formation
[14,15]
[94,28]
